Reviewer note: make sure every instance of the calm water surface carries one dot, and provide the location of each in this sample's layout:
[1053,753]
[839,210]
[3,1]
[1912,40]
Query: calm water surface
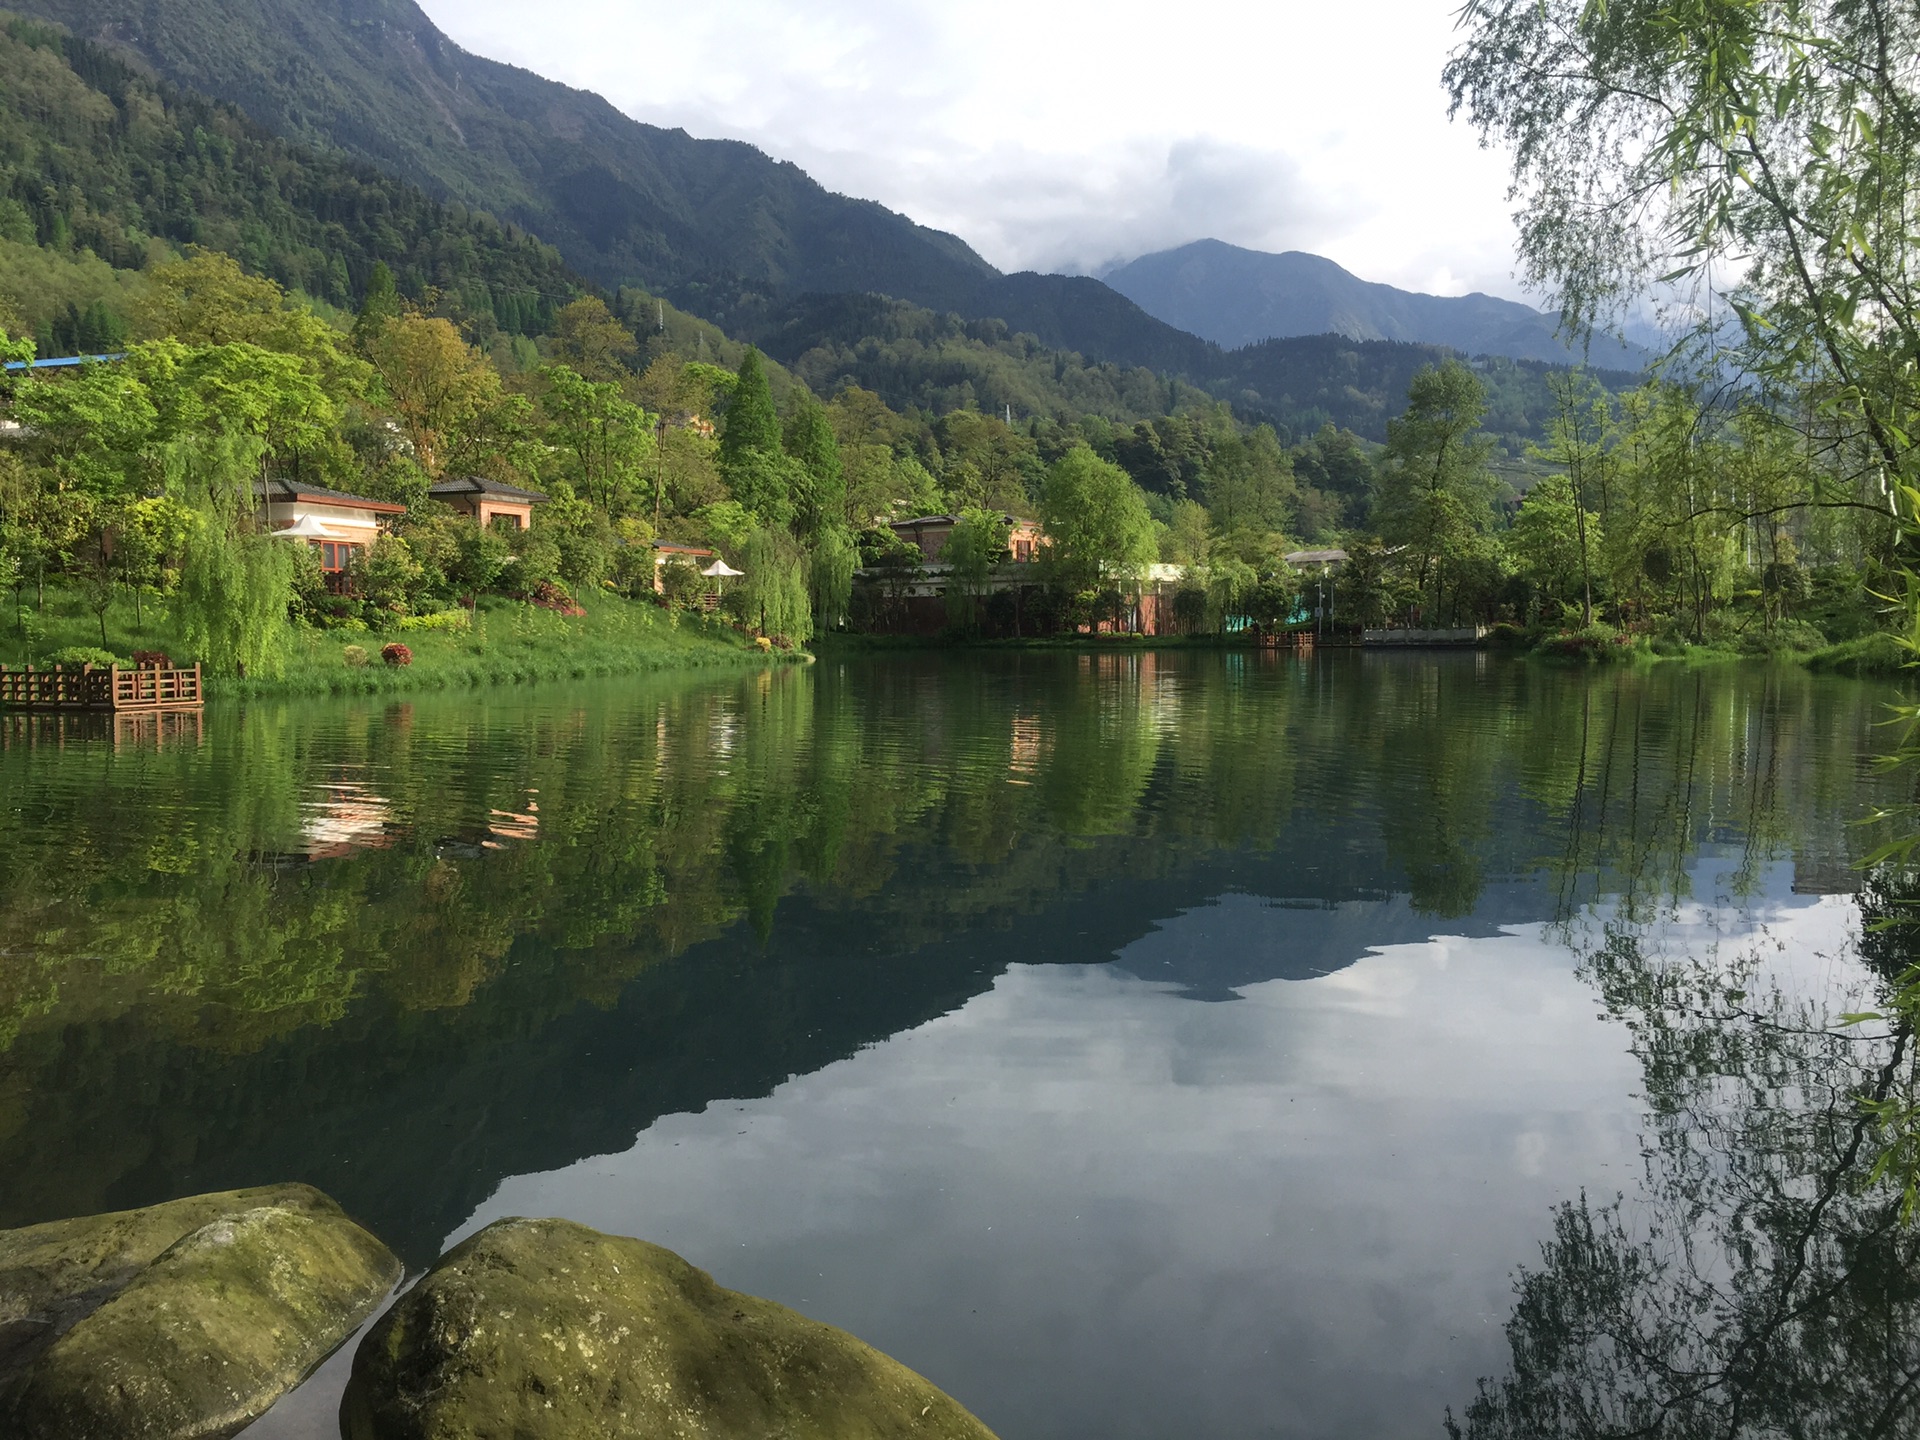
[1200,1046]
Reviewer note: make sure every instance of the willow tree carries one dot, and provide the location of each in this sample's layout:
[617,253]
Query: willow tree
[1760,159]
[774,595]
[1765,154]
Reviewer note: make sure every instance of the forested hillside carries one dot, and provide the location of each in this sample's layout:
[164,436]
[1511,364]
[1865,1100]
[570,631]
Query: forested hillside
[98,163]
[916,359]
[624,201]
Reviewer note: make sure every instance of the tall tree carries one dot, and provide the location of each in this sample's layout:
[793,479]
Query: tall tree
[1098,527]
[588,339]
[605,443]
[1577,444]
[434,381]
[1434,489]
[752,426]
[821,503]
[382,304]
[1249,483]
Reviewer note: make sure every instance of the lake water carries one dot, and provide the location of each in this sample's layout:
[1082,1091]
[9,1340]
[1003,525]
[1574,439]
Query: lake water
[1192,1045]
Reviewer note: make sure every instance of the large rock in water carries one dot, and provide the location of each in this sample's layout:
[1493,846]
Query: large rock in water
[543,1329]
[178,1321]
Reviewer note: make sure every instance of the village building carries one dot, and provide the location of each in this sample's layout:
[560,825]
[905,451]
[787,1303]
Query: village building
[490,502]
[668,552]
[932,532]
[337,525]
[685,420]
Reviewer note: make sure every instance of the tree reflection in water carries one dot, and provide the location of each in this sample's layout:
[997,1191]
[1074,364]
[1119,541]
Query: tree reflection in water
[1760,1283]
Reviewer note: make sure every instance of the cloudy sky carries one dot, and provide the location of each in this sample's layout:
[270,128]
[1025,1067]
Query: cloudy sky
[1059,136]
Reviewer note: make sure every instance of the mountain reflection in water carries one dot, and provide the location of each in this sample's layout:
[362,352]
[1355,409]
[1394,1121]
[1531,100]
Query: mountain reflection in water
[870,987]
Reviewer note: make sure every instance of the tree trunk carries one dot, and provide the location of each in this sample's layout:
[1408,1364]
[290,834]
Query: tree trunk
[1586,576]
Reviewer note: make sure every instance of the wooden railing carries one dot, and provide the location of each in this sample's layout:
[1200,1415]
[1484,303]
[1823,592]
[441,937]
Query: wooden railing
[89,688]
[146,689]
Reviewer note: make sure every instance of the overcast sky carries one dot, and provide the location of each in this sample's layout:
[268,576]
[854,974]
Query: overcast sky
[1060,136]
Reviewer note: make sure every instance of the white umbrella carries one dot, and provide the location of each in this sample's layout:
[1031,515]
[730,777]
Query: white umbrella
[307,527]
[720,570]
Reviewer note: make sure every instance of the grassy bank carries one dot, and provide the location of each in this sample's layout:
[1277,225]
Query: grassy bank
[506,643]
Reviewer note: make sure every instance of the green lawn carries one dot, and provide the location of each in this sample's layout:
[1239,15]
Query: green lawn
[508,643]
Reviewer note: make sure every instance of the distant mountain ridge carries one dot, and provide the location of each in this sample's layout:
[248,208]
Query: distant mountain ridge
[1237,297]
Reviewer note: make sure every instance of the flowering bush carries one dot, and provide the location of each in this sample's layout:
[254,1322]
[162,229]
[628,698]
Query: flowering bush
[354,655]
[396,654]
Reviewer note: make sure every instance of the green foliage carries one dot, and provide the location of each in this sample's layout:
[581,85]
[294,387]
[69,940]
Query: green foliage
[1435,489]
[85,655]
[821,502]
[977,544]
[15,350]
[231,607]
[773,596]
[752,427]
[1548,544]
[1249,483]
[604,442]
[764,483]
[97,157]
[1097,521]
[831,561]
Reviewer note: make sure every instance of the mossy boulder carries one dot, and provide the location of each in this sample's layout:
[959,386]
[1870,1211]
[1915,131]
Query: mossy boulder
[181,1320]
[542,1329]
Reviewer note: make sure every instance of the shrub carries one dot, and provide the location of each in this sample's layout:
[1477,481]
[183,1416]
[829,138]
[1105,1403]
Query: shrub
[355,655]
[549,596]
[396,654]
[1592,643]
[439,620]
[1787,638]
[1879,654]
[86,655]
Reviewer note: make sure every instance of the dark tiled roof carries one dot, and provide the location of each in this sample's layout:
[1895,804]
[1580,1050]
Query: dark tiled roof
[285,492]
[947,520]
[481,485]
[677,548]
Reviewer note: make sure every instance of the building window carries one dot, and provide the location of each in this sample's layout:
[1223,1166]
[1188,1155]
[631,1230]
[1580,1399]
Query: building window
[335,555]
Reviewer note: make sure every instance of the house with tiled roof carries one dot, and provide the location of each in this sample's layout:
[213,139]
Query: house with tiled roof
[337,525]
[488,501]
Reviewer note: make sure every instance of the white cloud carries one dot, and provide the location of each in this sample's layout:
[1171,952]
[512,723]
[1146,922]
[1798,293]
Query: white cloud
[1052,136]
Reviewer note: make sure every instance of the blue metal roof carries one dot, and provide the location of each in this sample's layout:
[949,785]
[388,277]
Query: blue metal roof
[65,361]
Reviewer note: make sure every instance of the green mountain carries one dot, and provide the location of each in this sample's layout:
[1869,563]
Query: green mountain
[99,162]
[1237,297]
[914,358]
[625,203]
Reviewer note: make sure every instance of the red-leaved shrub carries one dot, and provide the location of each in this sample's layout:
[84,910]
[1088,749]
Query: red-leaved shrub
[396,654]
[549,596]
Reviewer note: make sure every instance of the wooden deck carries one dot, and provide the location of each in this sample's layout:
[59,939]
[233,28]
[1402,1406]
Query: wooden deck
[89,687]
